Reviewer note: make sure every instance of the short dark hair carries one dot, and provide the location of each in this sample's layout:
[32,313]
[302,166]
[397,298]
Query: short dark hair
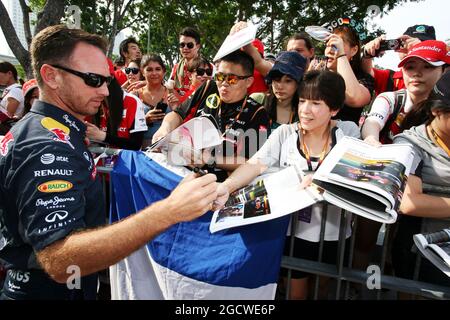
[123,48]
[191,32]
[197,62]
[55,45]
[301,36]
[243,59]
[6,66]
[152,57]
[324,85]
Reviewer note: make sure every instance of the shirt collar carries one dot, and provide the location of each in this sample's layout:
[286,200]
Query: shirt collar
[57,113]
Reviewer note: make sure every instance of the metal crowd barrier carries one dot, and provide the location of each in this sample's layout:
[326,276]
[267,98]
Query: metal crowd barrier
[345,273]
[342,273]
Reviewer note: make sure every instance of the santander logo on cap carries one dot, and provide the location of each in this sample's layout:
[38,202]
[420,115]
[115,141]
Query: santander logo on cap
[433,48]
[432,51]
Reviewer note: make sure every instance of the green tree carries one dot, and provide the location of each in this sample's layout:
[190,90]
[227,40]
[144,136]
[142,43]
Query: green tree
[277,20]
[105,17]
[157,22]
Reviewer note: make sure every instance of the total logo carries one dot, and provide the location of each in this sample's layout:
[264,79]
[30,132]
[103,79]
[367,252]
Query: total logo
[55,186]
[59,215]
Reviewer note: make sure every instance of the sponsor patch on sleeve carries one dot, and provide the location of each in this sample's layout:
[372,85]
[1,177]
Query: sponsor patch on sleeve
[60,131]
[55,186]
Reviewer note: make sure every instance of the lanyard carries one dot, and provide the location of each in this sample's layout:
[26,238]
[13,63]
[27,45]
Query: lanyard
[219,113]
[439,141]
[322,154]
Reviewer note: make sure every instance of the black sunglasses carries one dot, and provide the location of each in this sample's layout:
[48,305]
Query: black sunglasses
[133,70]
[91,79]
[190,45]
[201,72]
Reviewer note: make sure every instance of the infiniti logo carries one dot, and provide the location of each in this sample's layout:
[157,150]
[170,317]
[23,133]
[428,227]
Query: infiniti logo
[60,214]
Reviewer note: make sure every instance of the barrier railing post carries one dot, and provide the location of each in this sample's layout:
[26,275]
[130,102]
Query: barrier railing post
[350,253]
[341,250]
[294,222]
[321,243]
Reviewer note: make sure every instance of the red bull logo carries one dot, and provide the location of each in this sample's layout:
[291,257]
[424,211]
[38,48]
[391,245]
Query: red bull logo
[60,131]
[4,144]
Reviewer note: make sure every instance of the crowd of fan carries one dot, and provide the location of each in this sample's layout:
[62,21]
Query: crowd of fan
[303,104]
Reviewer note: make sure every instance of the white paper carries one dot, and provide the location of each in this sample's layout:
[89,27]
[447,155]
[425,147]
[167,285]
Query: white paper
[188,140]
[284,196]
[237,41]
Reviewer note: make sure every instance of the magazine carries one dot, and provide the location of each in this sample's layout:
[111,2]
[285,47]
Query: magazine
[236,41]
[270,197]
[189,139]
[436,248]
[365,179]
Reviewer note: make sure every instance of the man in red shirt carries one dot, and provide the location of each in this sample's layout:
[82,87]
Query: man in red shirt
[129,50]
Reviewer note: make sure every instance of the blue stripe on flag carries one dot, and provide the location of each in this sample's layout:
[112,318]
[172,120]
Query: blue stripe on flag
[247,256]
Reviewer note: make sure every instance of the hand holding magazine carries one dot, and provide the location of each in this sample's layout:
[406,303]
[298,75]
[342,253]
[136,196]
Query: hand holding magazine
[236,41]
[276,195]
[436,248]
[365,179]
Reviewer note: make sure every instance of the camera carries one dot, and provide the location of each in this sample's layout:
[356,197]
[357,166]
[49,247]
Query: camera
[392,44]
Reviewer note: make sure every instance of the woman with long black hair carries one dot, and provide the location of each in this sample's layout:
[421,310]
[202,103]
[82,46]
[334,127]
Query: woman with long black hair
[120,121]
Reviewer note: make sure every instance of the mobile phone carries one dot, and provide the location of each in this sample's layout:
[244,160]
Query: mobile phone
[161,106]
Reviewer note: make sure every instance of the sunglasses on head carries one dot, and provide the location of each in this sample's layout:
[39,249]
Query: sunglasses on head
[229,77]
[190,45]
[91,79]
[132,70]
[200,72]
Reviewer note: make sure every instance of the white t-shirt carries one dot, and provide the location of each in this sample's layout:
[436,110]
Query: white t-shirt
[383,107]
[281,151]
[14,91]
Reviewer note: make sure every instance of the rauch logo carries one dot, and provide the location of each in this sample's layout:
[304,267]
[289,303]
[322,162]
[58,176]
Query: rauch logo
[55,186]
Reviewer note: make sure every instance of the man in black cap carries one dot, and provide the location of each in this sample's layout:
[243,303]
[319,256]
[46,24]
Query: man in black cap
[390,80]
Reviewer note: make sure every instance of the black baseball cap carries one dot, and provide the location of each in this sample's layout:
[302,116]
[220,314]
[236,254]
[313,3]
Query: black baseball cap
[422,32]
[290,63]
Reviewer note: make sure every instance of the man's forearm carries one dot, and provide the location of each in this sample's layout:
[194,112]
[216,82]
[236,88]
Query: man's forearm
[94,250]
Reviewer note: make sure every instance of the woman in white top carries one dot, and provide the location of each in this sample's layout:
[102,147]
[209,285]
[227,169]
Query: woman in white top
[304,144]
[11,103]
[422,68]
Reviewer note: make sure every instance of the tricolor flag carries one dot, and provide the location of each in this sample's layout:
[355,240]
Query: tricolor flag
[187,261]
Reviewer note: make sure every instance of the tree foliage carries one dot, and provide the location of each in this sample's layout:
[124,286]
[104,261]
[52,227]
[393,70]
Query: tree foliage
[157,23]
[277,20]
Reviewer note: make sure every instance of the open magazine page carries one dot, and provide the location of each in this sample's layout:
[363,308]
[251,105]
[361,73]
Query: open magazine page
[189,138]
[276,195]
[436,248]
[368,172]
